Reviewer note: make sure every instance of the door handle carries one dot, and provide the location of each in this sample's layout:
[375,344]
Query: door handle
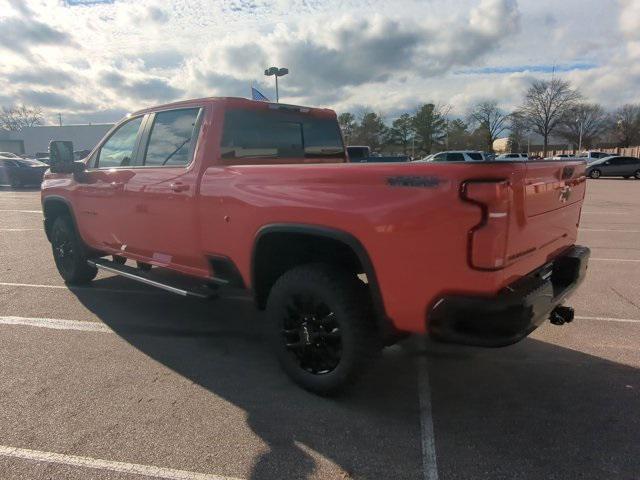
[179,187]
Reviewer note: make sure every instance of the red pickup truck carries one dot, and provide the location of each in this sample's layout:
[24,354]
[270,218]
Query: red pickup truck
[345,257]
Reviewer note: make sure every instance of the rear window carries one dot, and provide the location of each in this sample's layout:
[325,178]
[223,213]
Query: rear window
[279,134]
[455,157]
[475,156]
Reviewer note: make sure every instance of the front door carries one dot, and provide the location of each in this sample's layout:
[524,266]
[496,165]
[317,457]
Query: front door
[101,207]
[161,193]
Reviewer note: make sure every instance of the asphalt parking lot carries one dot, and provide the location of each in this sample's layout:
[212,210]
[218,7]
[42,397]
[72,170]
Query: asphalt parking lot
[119,381]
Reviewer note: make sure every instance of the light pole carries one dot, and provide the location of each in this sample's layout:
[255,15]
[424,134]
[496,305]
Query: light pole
[276,72]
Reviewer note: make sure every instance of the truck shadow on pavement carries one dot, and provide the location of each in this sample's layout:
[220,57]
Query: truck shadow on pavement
[533,410]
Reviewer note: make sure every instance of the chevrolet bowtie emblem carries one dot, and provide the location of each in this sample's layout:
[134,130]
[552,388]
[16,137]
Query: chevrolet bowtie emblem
[565,193]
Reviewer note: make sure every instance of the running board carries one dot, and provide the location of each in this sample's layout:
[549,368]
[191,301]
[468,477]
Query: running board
[196,290]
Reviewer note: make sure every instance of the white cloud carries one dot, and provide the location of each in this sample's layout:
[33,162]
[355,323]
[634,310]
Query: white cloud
[101,59]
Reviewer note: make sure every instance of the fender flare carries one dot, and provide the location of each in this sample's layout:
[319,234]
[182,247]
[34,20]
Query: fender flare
[386,325]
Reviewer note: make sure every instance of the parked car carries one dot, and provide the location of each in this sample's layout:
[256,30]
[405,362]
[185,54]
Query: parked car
[363,154]
[344,257]
[513,156]
[9,155]
[592,155]
[618,166]
[358,153]
[458,156]
[21,172]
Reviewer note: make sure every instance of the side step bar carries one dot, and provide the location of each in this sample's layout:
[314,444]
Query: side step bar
[143,277]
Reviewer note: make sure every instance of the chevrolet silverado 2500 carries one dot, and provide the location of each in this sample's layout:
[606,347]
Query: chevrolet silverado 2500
[345,257]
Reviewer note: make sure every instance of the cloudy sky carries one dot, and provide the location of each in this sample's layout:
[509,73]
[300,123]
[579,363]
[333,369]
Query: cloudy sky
[95,60]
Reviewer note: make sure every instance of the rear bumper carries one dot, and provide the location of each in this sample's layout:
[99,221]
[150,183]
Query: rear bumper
[515,312]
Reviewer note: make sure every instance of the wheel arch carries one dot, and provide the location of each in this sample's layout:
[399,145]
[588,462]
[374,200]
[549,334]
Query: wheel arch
[280,238]
[52,207]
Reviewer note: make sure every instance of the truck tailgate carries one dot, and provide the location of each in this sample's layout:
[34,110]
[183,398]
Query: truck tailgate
[547,219]
[532,215]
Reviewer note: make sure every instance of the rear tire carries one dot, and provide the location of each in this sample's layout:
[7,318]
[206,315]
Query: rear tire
[637,174]
[595,174]
[321,327]
[69,253]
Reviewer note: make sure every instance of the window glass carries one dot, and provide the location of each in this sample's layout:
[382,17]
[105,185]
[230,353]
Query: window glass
[172,135]
[441,157]
[455,157]
[617,161]
[118,149]
[475,156]
[279,134]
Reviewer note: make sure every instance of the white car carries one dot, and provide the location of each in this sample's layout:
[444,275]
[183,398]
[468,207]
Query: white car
[513,156]
[457,156]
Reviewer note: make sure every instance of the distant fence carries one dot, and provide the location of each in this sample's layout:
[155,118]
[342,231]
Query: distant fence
[625,152]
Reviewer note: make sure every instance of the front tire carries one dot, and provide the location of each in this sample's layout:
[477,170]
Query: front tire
[321,327]
[637,174]
[595,173]
[69,253]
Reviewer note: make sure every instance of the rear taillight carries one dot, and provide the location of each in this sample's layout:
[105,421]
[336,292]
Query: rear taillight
[488,240]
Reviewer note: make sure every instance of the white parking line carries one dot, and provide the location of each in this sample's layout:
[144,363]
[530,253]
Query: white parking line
[65,287]
[632,260]
[610,319]
[23,211]
[429,462]
[18,229]
[607,230]
[110,465]
[242,298]
[604,213]
[56,324]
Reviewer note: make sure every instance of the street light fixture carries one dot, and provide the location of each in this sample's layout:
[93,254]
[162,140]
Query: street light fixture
[276,72]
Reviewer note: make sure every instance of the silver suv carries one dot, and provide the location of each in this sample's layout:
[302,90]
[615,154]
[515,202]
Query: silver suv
[513,156]
[458,156]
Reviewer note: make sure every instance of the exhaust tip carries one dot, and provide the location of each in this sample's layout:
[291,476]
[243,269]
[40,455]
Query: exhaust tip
[561,315]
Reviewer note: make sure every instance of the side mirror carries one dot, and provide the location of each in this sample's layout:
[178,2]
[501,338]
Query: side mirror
[61,158]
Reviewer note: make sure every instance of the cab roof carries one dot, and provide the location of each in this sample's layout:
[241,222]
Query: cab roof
[235,102]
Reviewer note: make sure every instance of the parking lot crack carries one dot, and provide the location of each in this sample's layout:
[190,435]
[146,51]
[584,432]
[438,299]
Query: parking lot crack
[624,297]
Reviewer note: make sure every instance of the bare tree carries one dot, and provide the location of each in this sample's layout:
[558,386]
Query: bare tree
[582,124]
[546,101]
[490,119]
[17,118]
[627,124]
[519,132]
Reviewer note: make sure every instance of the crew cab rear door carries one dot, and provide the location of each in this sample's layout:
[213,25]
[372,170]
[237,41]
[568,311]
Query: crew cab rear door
[161,193]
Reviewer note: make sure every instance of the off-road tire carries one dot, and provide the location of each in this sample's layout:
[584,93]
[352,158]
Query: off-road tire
[69,253]
[344,296]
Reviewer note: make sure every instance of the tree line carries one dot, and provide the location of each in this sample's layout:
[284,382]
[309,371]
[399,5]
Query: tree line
[550,108]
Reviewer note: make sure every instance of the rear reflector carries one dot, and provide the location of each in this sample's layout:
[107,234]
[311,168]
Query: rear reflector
[488,240]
